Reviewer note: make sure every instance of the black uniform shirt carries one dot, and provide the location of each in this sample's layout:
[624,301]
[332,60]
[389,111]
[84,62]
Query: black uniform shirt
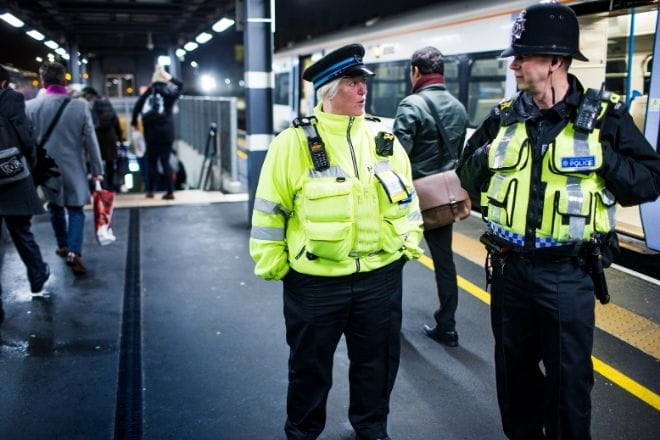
[631,168]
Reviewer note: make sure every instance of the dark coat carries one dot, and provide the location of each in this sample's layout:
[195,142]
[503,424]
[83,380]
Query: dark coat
[160,131]
[19,198]
[106,124]
[415,128]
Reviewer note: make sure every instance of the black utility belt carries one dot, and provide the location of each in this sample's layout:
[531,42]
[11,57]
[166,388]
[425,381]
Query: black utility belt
[498,246]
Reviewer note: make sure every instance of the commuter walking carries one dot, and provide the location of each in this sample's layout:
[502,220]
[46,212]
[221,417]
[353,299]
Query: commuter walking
[335,217]
[155,108]
[415,127]
[551,163]
[108,134]
[18,196]
[64,127]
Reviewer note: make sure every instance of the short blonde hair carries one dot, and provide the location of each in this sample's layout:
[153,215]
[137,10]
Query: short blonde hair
[328,91]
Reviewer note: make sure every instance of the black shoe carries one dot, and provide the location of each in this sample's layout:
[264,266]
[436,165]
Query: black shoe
[36,287]
[448,338]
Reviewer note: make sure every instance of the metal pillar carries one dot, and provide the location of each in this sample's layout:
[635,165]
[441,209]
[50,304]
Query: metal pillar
[175,64]
[258,43]
[73,65]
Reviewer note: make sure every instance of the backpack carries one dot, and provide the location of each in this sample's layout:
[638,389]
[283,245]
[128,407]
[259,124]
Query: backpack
[154,108]
[105,114]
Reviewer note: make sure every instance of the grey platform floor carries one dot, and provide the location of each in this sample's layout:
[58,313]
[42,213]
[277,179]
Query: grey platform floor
[213,347]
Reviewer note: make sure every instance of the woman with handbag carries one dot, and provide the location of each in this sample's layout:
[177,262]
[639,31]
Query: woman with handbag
[18,196]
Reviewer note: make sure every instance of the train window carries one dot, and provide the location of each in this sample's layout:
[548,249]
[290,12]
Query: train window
[486,88]
[281,90]
[386,90]
[451,76]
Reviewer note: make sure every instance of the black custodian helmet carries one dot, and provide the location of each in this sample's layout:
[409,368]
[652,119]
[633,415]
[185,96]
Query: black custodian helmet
[345,61]
[546,29]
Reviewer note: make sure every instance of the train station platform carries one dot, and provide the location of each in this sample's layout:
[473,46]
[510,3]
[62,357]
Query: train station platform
[170,331]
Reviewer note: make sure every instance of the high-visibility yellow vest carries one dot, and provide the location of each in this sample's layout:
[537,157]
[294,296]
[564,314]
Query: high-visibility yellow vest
[576,203]
[339,220]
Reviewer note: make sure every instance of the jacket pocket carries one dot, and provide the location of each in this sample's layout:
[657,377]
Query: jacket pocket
[331,240]
[393,235]
[501,198]
[604,219]
[508,156]
[571,216]
[326,200]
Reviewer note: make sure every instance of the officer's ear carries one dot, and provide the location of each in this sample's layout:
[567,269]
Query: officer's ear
[556,62]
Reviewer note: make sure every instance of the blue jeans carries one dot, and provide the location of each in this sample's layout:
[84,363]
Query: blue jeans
[71,237]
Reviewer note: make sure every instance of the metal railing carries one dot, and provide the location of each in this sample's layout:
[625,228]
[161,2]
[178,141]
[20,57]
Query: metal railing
[193,116]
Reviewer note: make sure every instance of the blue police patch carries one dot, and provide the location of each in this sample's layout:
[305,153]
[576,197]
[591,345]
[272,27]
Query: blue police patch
[578,162]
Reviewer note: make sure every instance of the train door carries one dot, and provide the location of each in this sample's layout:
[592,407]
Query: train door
[119,85]
[623,62]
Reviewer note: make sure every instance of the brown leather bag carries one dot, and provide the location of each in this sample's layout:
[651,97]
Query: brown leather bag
[442,200]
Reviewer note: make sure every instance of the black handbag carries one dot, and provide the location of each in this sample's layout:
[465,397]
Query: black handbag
[13,166]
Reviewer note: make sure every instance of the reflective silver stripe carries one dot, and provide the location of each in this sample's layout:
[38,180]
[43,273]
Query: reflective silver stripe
[266,233]
[580,144]
[333,171]
[383,165]
[575,195]
[500,149]
[495,211]
[608,199]
[269,207]
[415,216]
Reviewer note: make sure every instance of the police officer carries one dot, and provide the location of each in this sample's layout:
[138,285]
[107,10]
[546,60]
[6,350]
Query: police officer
[335,217]
[550,164]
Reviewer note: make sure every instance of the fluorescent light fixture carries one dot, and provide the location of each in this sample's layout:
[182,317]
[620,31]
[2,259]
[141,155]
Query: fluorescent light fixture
[84,61]
[66,56]
[60,50]
[207,83]
[53,45]
[194,64]
[190,46]
[164,60]
[36,35]
[222,24]
[12,20]
[203,37]
[39,59]
[180,53]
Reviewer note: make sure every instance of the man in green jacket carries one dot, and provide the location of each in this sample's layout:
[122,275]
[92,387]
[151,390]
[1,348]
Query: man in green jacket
[335,217]
[416,129]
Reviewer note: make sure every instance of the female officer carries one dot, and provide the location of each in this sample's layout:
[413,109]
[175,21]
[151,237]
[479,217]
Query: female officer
[335,218]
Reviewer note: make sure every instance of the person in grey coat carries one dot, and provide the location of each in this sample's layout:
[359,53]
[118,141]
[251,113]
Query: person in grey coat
[71,142]
[19,200]
[415,127]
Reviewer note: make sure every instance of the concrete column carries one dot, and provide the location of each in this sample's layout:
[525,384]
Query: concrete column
[258,43]
[175,64]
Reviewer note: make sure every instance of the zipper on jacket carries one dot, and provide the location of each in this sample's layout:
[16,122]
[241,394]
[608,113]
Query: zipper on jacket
[357,265]
[350,146]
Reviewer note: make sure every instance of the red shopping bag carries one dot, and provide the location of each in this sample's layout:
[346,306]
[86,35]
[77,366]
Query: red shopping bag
[103,201]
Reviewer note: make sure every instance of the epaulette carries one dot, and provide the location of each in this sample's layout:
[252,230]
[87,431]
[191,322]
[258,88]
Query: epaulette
[615,106]
[303,121]
[371,118]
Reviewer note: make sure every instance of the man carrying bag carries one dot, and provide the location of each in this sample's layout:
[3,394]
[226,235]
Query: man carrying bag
[431,125]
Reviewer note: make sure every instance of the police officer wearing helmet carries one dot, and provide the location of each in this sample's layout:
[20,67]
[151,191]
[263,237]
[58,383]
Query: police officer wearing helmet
[335,217]
[550,164]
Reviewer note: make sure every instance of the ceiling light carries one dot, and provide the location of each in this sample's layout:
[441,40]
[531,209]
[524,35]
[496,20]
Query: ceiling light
[194,64]
[180,53]
[39,59]
[60,50]
[222,24]
[164,60]
[12,20]
[203,37]
[36,35]
[52,44]
[207,83]
[190,46]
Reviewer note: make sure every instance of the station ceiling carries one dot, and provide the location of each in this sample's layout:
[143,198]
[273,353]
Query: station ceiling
[136,26]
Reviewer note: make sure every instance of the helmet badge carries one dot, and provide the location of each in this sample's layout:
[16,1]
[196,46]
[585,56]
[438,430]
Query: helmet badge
[519,25]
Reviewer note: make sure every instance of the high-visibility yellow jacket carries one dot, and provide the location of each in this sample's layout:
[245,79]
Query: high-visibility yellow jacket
[576,203]
[337,221]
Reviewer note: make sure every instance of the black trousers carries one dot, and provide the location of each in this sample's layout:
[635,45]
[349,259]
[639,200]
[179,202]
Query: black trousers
[28,249]
[439,242]
[159,152]
[366,308]
[543,312]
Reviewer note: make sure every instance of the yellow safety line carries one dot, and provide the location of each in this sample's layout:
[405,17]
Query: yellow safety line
[614,375]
